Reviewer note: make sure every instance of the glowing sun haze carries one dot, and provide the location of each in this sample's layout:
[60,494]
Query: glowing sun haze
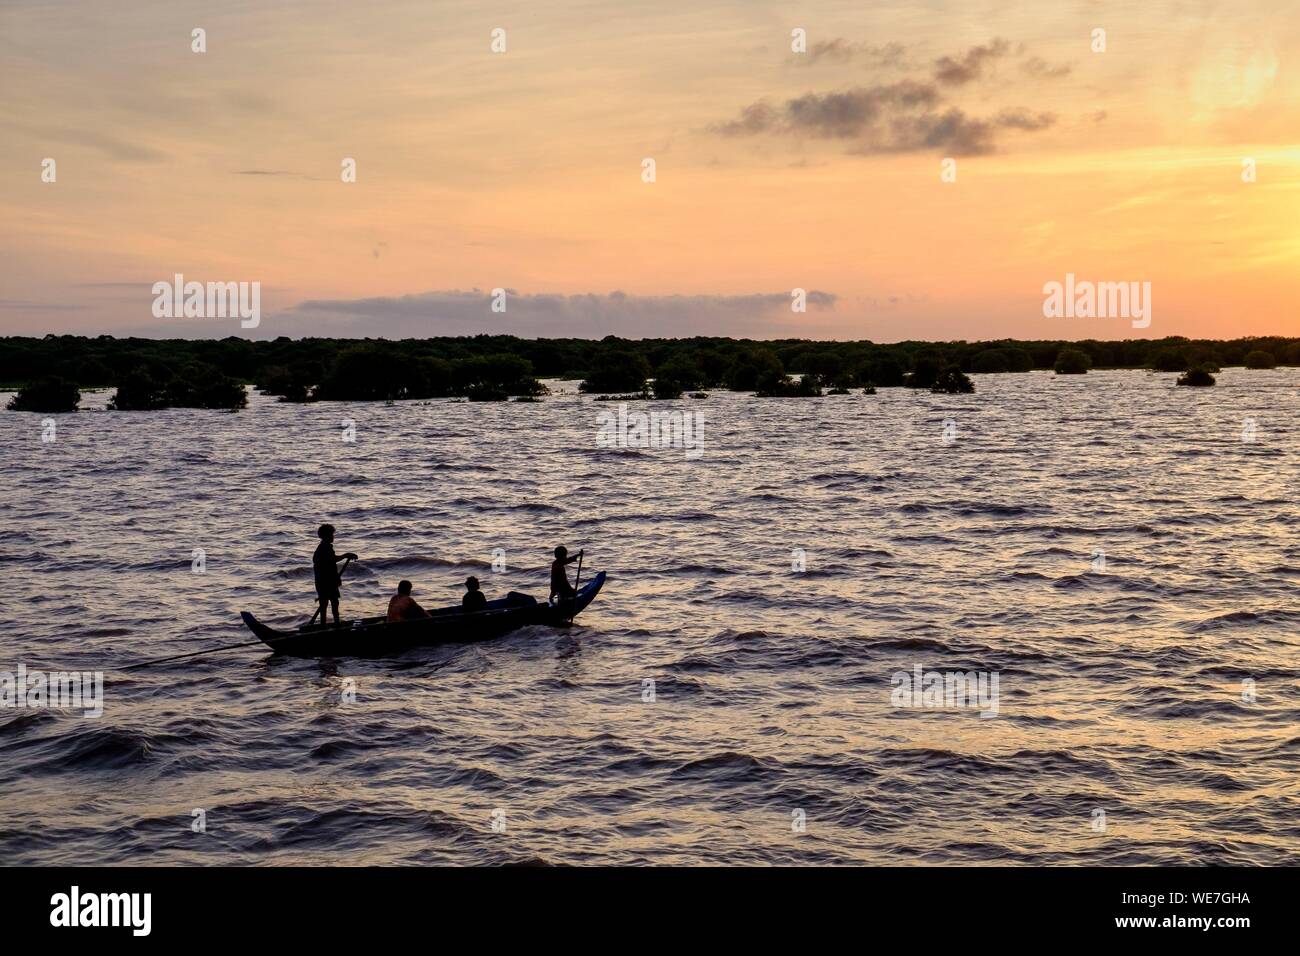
[774,170]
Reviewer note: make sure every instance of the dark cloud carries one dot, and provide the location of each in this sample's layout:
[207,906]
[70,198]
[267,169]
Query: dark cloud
[1039,68]
[591,315]
[848,114]
[900,117]
[952,132]
[1023,119]
[970,66]
[840,50]
[756,118]
[840,115]
[904,116]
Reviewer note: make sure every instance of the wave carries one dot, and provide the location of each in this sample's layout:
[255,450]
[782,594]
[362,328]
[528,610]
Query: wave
[1245,619]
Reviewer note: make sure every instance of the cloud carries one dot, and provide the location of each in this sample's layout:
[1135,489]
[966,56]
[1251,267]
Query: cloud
[905,116]
[1023,119]
[840,50]
[110,146]
[952,132]
[760,117]
[970,66]
[899,117]
[839,115]
[590,315]
[24,305]
[847,114]
[277,172]
[1039,68]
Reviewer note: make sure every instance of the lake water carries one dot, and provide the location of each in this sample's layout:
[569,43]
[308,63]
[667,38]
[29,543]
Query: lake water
[1119,553]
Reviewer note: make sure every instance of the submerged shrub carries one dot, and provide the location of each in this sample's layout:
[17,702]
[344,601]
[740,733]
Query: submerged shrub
[925,372]
[296,384]
[677,375]
[370,373]
[667,388]
[785,387]
[203,386]
[1258,358]
[1072,362]
[138,391]
[48,394]
[616,370]
[195,386]
[487,375]
[884,371]
[953,381]
[1196,377]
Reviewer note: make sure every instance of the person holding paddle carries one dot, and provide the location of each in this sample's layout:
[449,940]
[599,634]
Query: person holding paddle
[325,564]
[560,586]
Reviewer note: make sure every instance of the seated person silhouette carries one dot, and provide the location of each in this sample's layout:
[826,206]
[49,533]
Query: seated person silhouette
[474,599]
[402,607]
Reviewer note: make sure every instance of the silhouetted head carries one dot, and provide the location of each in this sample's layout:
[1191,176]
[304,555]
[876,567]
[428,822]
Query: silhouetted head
[326,532]
[403,587]
[471,584]
[561,552]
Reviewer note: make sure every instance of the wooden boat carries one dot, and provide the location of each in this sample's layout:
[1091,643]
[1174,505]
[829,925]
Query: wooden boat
[375,637]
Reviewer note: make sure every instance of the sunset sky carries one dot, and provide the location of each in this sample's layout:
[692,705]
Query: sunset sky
[774,170]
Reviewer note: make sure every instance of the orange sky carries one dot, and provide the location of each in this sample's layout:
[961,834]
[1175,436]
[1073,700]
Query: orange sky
[774,169]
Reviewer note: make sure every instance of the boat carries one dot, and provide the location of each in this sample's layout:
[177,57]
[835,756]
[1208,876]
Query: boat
[375,637]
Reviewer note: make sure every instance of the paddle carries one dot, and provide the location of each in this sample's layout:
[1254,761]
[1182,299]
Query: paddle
[320,606]
[577,580]
[210,650]
[224,647]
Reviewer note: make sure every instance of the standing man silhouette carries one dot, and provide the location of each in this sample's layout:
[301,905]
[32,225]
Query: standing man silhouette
[325,565]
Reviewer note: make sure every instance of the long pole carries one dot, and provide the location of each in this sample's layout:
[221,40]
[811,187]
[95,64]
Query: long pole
[577,580]
[210,650]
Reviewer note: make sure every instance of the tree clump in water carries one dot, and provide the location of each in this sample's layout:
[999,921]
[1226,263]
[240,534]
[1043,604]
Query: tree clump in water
[616,370]
[49,394]
[1072,362]
[953,381]
[1259,359]
[771,385]
[196,386]
[1198,377]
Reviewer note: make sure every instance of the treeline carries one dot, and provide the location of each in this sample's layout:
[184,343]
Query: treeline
[159,373]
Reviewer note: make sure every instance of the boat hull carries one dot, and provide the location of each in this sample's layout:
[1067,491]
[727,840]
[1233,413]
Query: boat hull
[375,637]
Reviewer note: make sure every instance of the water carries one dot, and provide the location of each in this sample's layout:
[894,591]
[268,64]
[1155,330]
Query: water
[1120,690]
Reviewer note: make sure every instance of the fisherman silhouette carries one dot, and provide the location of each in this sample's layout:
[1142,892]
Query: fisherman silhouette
[560,586]
[325,565]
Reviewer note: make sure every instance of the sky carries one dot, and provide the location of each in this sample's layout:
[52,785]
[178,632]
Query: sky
[774,168]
